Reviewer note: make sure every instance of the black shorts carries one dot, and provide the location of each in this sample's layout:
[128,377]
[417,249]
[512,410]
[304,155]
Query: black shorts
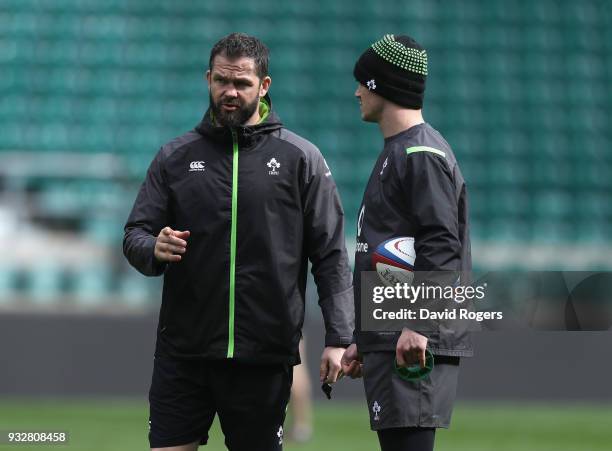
[251,402]
[396,403]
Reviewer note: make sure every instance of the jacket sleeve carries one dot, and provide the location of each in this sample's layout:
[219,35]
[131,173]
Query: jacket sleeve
[326,249]
[147,218]
[431,204]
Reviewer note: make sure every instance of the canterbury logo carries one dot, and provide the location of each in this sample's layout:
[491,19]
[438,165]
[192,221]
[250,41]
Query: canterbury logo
[384,166]
[197,166]
[328,173]
[360,221]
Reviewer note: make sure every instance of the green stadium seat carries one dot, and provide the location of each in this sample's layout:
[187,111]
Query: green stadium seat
[135,291]
[507,230]
[8,284]
[45,283]
[91,285]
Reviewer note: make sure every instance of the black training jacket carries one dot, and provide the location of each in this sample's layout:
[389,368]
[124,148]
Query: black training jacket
[416,189]
[259,202]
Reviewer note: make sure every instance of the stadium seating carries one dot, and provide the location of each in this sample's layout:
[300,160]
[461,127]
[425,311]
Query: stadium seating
[521,92]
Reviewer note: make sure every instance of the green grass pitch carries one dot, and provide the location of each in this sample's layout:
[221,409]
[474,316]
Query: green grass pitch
[117,425]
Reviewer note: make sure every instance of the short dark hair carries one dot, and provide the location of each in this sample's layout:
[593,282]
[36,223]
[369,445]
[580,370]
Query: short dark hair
[237,45]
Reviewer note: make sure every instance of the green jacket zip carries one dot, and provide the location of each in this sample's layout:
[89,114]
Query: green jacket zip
[232,281]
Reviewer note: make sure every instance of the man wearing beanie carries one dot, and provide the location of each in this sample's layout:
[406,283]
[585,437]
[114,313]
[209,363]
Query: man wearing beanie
[415,190]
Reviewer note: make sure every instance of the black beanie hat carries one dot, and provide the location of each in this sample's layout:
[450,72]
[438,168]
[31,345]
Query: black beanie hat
[395,67]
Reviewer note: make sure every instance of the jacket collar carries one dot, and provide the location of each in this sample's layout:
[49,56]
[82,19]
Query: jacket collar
[247,134]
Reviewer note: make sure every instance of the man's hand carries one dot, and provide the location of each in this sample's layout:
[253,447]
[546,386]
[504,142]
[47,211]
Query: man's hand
[410,348]
[330,370]
[170,244]
[351,362]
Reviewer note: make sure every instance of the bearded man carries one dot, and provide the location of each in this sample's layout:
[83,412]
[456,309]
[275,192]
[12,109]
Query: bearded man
[230,213]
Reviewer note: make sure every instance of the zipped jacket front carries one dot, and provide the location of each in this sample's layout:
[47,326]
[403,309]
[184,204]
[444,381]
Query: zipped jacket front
[259,202]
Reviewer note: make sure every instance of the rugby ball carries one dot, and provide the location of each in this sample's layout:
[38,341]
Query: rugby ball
[393,260]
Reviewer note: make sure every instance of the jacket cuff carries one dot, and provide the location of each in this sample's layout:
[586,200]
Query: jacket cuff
[339,317]
[337,341]
[157,268]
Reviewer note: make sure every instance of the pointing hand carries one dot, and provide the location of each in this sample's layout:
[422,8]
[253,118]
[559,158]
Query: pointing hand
[170,244]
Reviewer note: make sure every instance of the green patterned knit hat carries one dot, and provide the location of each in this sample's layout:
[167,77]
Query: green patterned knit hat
[394,67]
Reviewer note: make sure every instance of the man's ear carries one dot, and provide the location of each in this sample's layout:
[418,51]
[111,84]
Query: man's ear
[264,86]
[207,76]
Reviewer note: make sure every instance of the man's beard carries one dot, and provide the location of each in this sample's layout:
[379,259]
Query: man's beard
[232,118]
